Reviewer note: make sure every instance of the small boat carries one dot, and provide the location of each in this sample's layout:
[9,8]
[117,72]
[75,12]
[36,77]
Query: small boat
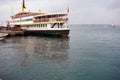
[1,38]
[113,25]
[3,34]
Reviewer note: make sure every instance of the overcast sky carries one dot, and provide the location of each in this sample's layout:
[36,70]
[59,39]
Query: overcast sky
[81,11]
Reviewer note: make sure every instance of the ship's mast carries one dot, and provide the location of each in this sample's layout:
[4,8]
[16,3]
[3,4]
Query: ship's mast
[23,6]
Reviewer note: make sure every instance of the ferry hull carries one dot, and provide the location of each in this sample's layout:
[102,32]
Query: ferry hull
[61,33]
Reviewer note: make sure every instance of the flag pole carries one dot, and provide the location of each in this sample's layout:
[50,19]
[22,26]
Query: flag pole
[68,13]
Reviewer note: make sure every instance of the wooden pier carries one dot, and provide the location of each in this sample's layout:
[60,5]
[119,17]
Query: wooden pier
[12,32]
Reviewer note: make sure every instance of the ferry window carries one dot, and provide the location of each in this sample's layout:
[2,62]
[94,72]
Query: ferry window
[58,25]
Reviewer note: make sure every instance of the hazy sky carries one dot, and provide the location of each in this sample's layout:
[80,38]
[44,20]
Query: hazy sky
[81,11]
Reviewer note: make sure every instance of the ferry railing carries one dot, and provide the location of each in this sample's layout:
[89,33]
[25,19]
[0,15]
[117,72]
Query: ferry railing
[24,15]
[50,19]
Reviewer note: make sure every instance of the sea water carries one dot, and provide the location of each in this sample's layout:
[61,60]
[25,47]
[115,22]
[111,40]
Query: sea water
[92,52]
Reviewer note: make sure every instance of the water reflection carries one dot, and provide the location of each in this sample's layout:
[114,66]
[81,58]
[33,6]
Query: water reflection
[44,49]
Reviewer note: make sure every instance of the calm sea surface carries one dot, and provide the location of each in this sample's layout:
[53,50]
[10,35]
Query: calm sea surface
[90,53]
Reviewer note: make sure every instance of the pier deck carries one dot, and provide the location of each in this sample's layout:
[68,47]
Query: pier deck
[12,32]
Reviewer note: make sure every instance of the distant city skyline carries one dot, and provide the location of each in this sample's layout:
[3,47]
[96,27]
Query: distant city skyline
[80,11]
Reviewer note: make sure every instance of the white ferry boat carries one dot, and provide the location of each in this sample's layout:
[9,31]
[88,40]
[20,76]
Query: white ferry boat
[40,22]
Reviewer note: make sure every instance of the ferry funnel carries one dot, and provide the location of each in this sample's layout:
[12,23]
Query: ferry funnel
[23,7]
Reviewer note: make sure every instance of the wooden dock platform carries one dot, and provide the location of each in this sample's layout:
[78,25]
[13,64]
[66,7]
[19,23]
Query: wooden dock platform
[12,32]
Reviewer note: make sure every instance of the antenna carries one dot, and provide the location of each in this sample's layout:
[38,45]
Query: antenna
[11,11]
